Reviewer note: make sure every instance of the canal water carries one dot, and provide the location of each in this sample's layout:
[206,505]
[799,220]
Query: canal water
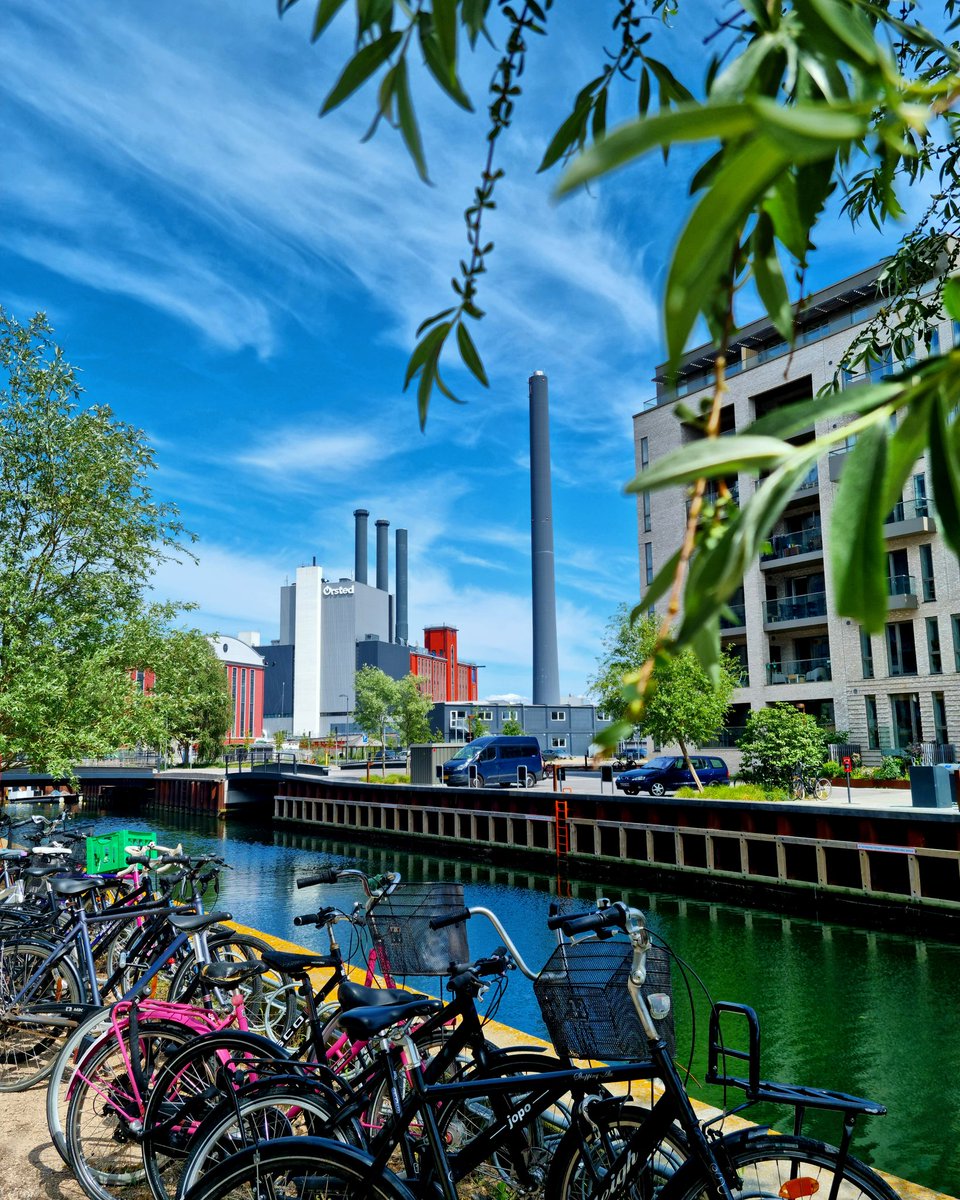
[871,1013]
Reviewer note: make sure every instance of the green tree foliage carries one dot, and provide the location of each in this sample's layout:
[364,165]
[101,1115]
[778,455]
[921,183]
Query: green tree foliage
[412,705]
[190,703]
[777,740]
[476,726]
[80,537]
[684,704]
[375,704]
[799,98]
[512,728]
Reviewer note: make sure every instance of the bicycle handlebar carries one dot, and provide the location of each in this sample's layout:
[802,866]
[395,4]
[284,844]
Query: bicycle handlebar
[454,919]
[322,917]
[613,917]
[324,875]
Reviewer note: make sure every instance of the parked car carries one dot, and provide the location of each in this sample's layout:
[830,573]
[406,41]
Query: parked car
[496,760]
[668,772]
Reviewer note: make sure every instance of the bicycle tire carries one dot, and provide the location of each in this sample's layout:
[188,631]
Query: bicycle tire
[78,1042]
[277,1110]
[104,1114]
[29,1044]
[765,1162]
[798,789]
[298,1169]
[823,789]
[270,1000]
[190,1086]
[587,1150]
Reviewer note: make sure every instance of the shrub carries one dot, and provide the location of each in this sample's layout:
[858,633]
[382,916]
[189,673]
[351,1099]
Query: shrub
[389,779]
[831,769]
[777,740]
[891,768]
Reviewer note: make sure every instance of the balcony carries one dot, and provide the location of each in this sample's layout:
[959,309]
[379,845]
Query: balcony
[902,592]
[726,738]
[736,619]
[801,670]
[908,517]
[793,549]
[794,611]
[808,486]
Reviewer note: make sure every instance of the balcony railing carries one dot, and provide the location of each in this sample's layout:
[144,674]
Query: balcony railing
[810,480]
[908,510]
[725,738]
[786,545]
[901,585]
[736,618]
[801,670]
[796,608]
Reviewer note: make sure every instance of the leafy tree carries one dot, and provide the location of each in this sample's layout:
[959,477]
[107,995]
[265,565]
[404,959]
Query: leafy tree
[684,704]
[80,536]
[190,702]
[279,739]
[777,740]
[476,727]
[375,703]
[512,728]
[412,707]
[799,98]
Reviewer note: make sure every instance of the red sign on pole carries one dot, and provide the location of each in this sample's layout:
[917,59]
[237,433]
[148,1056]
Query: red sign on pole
[847,765]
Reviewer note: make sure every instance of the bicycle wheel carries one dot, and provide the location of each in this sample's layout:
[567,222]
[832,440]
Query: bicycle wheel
[269,1000]
[798,790]
[105,1112]
[771,1166]
[193,1083]
[587,1151]
[275,1111]
[32,1030]
[298,1169]
[823,789]
[77,1043]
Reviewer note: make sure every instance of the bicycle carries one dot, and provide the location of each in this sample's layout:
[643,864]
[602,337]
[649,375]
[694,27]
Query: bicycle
[612,1148]
[805,783]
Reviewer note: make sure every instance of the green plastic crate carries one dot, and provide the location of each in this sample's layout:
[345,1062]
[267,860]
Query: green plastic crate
[108,851]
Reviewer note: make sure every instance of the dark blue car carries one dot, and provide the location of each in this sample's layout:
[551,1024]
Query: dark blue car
[669,771]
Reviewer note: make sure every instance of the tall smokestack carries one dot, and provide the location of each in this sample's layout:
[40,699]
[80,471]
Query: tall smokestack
[383,556]
[546,669]
[400,574]
[360,549]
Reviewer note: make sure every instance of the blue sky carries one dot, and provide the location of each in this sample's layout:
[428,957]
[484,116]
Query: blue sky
[243,281]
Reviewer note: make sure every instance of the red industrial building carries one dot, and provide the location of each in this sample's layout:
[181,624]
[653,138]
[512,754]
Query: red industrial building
[449,678]
[244,667]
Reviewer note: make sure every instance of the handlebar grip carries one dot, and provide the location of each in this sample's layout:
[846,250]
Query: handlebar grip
[317,918]
[594,921]
[464,978]
[324,875]
[454,919]
[306,919]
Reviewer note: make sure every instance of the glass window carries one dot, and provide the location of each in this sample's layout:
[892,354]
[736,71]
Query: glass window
[646,512]
[921,505]
[866,654]
[873,723]
[933,646]
[558,714]
[926,572]
[558,743]
[955,623]
[485,714]
[901,648]
[940,717]
[509,714]
[907,726]
[644,453]
[648,562]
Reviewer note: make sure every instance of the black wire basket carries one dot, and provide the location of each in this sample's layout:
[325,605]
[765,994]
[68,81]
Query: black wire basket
[404,941]
[583,997]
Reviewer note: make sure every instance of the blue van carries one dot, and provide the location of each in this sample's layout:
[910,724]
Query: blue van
[496,760]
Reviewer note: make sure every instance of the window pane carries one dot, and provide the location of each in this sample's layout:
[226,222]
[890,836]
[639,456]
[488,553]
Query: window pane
[873,723]
[866,654]
[940,718]
[926,572]
[933,646]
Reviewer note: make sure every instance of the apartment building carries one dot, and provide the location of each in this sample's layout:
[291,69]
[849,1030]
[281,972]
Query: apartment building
[889,689]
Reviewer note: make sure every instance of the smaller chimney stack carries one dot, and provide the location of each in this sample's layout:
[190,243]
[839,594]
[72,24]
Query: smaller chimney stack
[360,551]
[383,556]
[400,571]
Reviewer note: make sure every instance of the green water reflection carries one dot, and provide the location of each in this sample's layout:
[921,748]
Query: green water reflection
[859,1011]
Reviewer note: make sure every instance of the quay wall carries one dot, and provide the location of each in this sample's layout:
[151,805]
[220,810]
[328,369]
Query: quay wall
[868,866]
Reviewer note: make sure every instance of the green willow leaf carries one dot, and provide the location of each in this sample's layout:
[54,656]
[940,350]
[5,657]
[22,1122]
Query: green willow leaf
[906,446]
[659,586]
[711,457]
[944,473]
[768,276]
[326,11]
[359,69]
[445,24]
[438,67]
[570,131]
[423,350]
[686,123]
[951,297]
[857,549]
[793,418]
[850,25]
[468,352]
[409,128]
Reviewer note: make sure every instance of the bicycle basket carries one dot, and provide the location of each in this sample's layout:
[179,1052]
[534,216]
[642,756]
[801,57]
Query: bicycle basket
[583,997]
[400,924]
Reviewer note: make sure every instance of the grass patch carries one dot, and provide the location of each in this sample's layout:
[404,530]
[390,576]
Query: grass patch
[736,791]
[389,778]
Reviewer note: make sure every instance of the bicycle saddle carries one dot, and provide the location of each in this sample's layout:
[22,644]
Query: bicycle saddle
[13,855]
[361,1024]
[190,923]
[41,872]
[295,964]
[355,995]
[67,885]
[230,974]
